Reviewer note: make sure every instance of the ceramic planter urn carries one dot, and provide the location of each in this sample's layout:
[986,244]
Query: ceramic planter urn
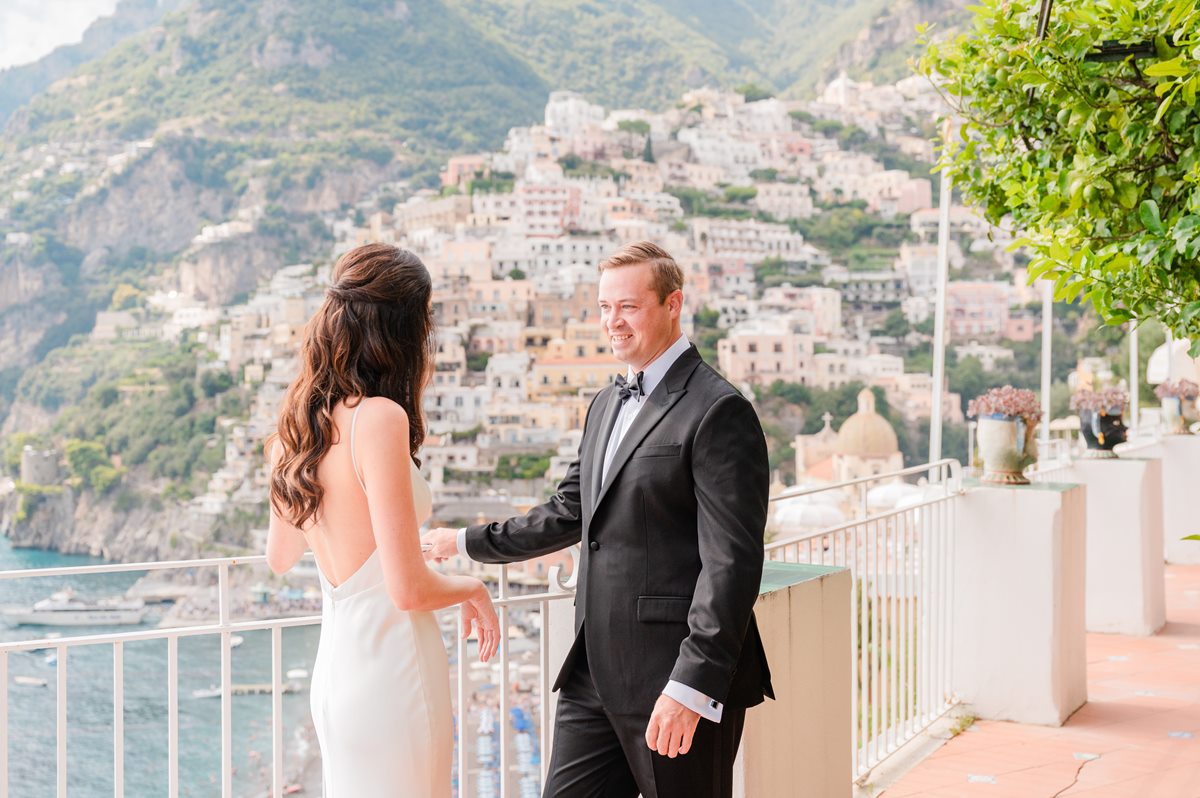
[1006,446]
[1101,431]
[1172,415]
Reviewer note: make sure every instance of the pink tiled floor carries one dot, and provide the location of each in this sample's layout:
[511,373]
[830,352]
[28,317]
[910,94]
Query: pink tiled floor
[1137,737]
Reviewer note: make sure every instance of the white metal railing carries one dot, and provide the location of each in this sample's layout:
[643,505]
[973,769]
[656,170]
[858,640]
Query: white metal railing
[1054,460]
[225,627]
[899,559]
[560,588]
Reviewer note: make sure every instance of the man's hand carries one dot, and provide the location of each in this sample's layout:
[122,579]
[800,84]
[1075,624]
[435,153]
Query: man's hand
[672,726]
[442,543]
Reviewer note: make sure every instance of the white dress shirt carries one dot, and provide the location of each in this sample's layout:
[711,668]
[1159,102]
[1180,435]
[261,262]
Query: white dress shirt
[652,375]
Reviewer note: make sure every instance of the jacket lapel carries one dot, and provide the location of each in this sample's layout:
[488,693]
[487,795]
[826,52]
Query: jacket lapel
[670,391]
[611,409]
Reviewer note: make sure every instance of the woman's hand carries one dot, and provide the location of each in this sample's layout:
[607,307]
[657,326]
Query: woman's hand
[479,609]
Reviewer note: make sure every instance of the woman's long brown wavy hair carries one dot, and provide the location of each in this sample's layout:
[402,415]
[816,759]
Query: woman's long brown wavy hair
[373,336]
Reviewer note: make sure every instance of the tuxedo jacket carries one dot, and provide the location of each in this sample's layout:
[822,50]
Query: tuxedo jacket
[672,543]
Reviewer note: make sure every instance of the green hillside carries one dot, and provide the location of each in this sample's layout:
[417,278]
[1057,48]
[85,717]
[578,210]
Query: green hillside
[301,71]
[791,44]
[440,74]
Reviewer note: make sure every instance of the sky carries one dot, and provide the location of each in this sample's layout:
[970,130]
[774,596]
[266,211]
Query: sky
[29,29]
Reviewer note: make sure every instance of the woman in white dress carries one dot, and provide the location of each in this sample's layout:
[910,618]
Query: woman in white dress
[345,483]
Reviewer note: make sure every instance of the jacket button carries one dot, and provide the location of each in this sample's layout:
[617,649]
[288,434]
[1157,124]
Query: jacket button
[594,545]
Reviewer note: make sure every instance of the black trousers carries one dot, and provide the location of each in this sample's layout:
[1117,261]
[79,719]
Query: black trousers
[601,755]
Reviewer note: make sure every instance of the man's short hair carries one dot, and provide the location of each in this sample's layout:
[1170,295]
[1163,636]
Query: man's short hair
[665,275]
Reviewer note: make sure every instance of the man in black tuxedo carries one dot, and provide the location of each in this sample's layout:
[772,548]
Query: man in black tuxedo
[669,498]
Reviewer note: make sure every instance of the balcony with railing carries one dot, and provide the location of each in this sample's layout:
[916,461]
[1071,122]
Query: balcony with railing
[182,709]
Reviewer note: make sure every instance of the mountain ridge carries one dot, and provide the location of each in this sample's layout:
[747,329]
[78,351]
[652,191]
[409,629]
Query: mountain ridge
[21,82]
[440,74]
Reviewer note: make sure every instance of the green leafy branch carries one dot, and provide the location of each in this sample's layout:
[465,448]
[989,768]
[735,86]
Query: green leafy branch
[1096,163]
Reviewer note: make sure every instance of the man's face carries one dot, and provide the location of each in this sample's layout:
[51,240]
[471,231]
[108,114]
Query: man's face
[638,326]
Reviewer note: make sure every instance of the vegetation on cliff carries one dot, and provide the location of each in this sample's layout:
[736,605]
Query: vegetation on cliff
[137,418]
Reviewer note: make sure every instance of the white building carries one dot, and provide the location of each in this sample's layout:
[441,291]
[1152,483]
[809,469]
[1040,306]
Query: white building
[784,200]
[750,240]
[918,263]
[568,113]
[988,355]
[868,288]
[734,154]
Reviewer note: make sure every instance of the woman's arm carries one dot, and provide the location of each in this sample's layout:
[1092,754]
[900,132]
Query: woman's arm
[382,451]
[285,543]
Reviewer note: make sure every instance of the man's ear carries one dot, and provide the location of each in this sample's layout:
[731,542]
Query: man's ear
[675,301]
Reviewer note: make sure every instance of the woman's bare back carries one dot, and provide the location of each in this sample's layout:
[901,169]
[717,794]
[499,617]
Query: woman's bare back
[342,537]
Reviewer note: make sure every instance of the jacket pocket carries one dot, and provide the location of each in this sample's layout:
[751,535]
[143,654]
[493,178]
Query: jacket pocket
[663,609]
[658,450]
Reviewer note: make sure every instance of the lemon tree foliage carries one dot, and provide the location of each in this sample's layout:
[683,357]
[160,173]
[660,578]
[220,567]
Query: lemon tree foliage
[1094,163]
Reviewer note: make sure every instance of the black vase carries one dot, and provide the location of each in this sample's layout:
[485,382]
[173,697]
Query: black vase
[1102,431]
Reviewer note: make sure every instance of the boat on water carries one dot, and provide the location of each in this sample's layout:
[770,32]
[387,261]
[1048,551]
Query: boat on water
[264,688]
[64,608]
[29,681]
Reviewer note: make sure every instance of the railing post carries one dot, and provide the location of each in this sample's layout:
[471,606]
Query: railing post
[462,706]
[3,724]
[173,717]
[276,711]
[61,671]
[226,682]
[855,656]
[118,719]
[505,686]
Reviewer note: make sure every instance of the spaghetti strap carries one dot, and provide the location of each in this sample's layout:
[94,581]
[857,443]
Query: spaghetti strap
[353,459]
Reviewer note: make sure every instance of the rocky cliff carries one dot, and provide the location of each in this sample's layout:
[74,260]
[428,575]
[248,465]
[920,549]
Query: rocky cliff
[153,205]
[881,50]
[80,524]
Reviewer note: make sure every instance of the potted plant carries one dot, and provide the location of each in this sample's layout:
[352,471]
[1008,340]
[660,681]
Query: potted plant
[1100,419]
[1008,417]
[1171,394]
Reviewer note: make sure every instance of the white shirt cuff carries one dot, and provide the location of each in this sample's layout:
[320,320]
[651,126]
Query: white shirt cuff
[705,707]
[462,543]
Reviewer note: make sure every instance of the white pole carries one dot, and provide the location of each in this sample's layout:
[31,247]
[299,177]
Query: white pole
[1135,380]
[1170,342]
[1047,334]
[939,311]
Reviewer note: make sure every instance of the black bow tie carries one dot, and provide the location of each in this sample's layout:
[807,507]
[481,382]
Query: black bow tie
[628,389]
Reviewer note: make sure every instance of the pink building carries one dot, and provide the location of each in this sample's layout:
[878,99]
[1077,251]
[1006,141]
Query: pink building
[462,169]
[977,309]
[547,209]
[1022,326]
[762,351]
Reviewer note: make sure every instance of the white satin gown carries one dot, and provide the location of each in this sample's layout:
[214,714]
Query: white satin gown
[381,686]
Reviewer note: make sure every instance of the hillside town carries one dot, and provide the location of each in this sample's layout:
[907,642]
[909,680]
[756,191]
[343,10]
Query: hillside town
[513,239]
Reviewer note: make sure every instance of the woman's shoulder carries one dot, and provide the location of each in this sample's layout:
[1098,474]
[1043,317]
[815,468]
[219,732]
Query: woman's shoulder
[379,412]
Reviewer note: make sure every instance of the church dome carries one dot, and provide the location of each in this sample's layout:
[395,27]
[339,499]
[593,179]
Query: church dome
[866,433]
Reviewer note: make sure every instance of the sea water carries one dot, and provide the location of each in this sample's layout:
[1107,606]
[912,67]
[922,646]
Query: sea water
[32,735]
